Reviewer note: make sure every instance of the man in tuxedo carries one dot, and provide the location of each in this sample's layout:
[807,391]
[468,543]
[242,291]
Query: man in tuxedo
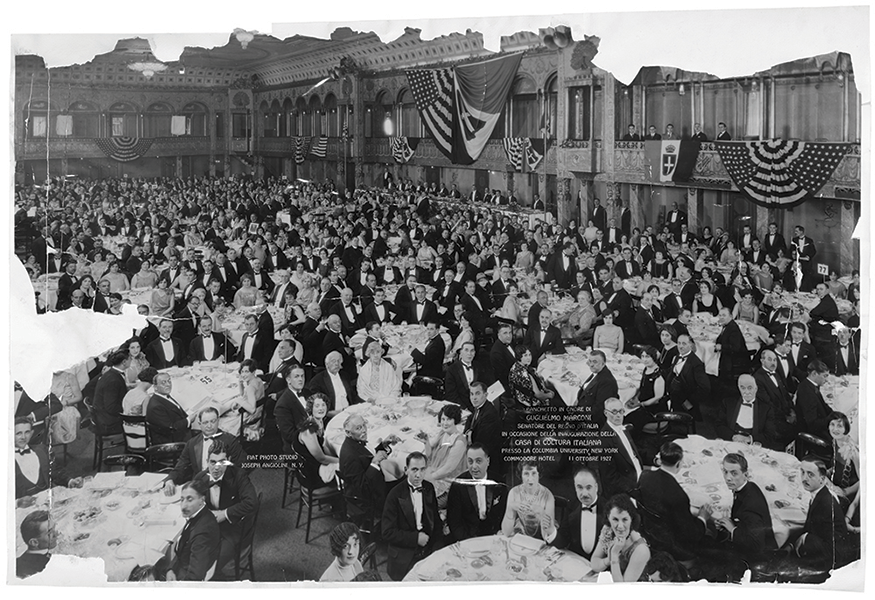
[484,427]
[598,387]
[632,134]
[822,317]
[225,271]
[502,356]
[255,345]
[66,284]
[389,273]
[804,252]
[755,255]
[35,470]
[421,310]
[675,218]
[666,516]
[231,498]
[350,318]
[379,310]
[580,529]
[683,236]
[430,363]
[193,554]
[276,381]
[166,351]
[774,241]
[652,134]
[260,278]
[291,408]
[687,381]
[772,389]
[723,134]
[278,295]
[312,335]
[734,357]
[598,215]
[748,419]
[209,345]
[110,392]
[747,532]
[460,375]
[812,412]
[627,267]
[193,459]
[336,387]
[168,422]
[335,340]
[698,134]
[620,303]
[501,286]
[672,304]
[541,302]
[475,504]
[847,358]
[619,468]
[645,322]
[564,268]
[411,524]
[801,351]
[543,338]
[474,307]
[149,333]
[364,484]
[40,537]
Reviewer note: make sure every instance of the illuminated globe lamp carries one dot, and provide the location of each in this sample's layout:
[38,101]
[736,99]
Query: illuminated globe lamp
[388,126]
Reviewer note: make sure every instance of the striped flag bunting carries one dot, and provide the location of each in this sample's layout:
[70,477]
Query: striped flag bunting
[300,149]
[319,146]
[403,148]
[780,172]
[124,149]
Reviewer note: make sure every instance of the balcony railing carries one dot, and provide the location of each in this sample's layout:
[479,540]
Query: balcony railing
[87,147]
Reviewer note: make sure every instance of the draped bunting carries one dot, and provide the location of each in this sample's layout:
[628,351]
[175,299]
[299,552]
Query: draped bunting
[124,149]
[778,172]
[319,146]
[403,148]
[300,149]
[519,150]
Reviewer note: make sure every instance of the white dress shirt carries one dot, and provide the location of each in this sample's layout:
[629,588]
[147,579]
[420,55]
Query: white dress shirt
[624,439]
[28,463]
[167,345]
[416,498]
[209,347]
[248,345]
[340,399]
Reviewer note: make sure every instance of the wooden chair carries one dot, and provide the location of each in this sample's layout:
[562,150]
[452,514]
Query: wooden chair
[102,440]
[561,504]
[161,458]
[245,550]
[289,479]
[427,386]
[675,425]
[132,463]
[368,556]
[136,434]
[318,496]
[356,511]
[810,444]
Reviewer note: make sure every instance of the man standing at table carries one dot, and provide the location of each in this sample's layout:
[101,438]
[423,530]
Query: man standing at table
[430,363]
[734,357]
[580,529]
[39,534]
[194,456]
[231,498]
[687,382]
[291,408]
[484,427]
[168,422]
[812,412]
[255,344]
[475,504]
[598,387]
[192,555]
[166,351]
[543,337]
[822,317]
[411,523]
[109,394]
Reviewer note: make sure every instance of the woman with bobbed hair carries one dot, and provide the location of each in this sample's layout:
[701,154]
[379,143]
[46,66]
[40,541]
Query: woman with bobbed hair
[345,541]
[621,548]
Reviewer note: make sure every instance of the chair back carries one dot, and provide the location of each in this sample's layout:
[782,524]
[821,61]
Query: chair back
[368,556]
[247,539]
[680,424]
[136,433]
[811,444]
[164,456]
[561,504]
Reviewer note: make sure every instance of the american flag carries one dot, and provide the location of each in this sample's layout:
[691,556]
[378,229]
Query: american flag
[344,132]
[433,92]
[300,149]
[401,150]
[319,146]
[780,172]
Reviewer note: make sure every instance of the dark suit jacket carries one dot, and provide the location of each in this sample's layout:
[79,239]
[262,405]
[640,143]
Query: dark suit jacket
[812,412]
[267,283]
[568,534]
[369,313]
[289,414]
[108,394]
[778,396]
[564,278]
[431,362]
[671,306]
[25,487]
[645,328]
[429,313]
[148,335]
[237,496]
[617,472]
[771,246]
[763,429]
[666,512]
[167,421]
[852,367]
[399,528]
[30,563]
[692,384]
[363,485]
[594,394]
[463,516]
[155,354]
[198,547]
[551,343]
[321,383]
[191,462]
[348,326]
[262,349]
[222,347]
[502,360]
[456,388]
[826,545]
[805,356]
[621,303]
[734,358]
[336,342]
[486,430]
[753,535]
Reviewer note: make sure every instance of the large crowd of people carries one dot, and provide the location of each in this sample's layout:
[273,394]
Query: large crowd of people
[326,263]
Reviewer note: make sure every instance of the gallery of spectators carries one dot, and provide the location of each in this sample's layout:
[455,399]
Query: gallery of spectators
[339,109]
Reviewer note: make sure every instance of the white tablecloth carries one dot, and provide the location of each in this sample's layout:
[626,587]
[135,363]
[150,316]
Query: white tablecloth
[704,328]
[567,372]
[234,322]
[843,394]
[402,340]
[125,521]
[205,384]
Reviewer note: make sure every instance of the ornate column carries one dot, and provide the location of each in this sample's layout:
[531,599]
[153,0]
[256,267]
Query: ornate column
[762,221]
[179,167]
[693,209]
[509,183]
[357,147]
[848,253]
[564,207]
[211,120]
[635,207]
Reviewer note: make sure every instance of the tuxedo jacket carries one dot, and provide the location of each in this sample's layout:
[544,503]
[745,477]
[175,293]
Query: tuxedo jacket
[30,563]
[812,412]
[800,363]
[361,481]
[463,514]
[852,366]
[562,276]
[757,257]
[734,357]
[289,413]
[671,306]
[155,354]
[568,534]
[594,393]
[262,349]
[348,325]
[626,269]
[753,535]
[621,302]
[222,347]
[617,472]
[311,339]
[370,313]
[777,396]
[445,295]
[429,313]
[267,283]
[382,275]
[772,245]
[237,496]
[431,362]
[321,383]
[197,549]
[333,341]
[167,421]
[486,429]
[456,389]
[502,361]
[551,342]
[665,508]
[191,462]
[108,394]
[763,426]
[25,487]
[276,381]
[400,532]
[826,545]
[148,335]
[646,330]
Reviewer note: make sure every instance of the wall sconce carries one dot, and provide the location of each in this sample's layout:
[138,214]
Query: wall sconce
[681,90]
[388,126]
[841,79]
[147,69]
[244,37]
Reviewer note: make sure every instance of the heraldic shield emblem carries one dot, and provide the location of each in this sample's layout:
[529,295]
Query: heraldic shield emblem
[669,161]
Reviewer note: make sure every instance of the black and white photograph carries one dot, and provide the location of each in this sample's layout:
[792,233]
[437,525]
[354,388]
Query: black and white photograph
[363,300]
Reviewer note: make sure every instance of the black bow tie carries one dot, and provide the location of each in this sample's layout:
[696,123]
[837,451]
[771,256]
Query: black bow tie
[215,483]
[25,451]
[591,508]
[796,344]
[467,367]
[415,490]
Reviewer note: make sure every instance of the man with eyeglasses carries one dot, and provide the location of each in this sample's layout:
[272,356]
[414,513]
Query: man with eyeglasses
[620,464]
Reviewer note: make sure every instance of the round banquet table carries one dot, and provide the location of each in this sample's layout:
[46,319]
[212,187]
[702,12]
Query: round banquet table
[402,340]
[126,521]
[208,383]
[567,372]
[809,301]
[634,286]
[234,323]
[499,558]
[561,308]
[139,296]
[843,394]
[704,329]
[403,417]
[47,285]
[776,473]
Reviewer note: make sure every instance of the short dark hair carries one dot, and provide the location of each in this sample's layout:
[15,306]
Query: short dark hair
[840,416]
[217,447]
[818,462]
[591,471]
[414,456]
[479,385]
[817,366]
[340,536]
[649,351]
[670,454]
[24,421]
[478,446]
[624,503]
[32,524]
[453,411]
[527,463]
[147,375]
[117,358]
[199,485]
[736,458]
[666,565]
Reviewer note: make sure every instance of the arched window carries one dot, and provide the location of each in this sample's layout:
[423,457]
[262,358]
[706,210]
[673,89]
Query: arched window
[331,117]
[195,115]
[314,110]
[36,119]
[268,123]
[411,124]
[552,106]
[86,120]
[288,120]
[121,120]
[301,117]
[241,127]
[156,121]
[525,114]
[382,110]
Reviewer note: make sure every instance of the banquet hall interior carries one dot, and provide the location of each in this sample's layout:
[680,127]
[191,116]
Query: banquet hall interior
[445,247]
